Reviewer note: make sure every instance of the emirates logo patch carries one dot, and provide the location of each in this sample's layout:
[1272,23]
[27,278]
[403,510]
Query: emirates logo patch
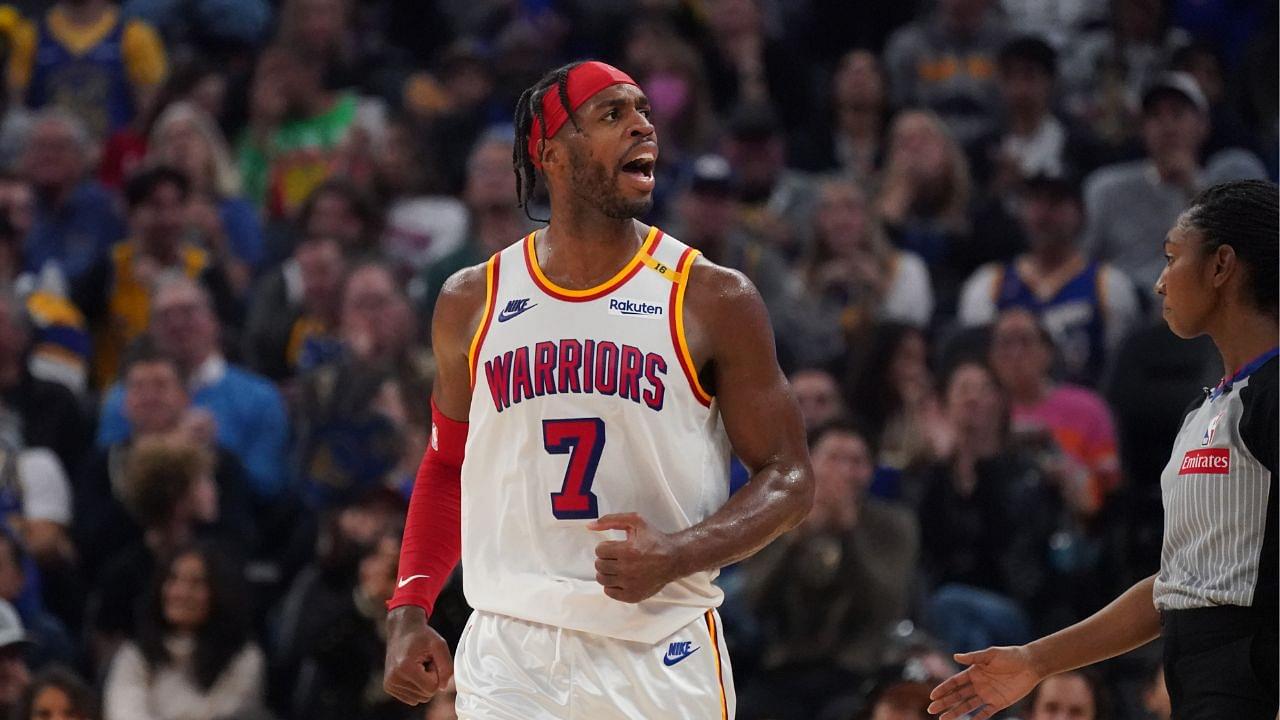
[1210,461]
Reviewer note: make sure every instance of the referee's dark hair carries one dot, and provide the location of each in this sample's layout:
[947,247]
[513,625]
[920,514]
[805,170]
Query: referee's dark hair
[529,107]
[1243,214]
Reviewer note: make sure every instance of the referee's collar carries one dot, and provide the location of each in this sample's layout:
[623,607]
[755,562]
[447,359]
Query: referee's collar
[1245,371]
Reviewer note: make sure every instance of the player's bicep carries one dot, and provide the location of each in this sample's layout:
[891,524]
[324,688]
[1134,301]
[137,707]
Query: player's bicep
[458,314]
[760,413]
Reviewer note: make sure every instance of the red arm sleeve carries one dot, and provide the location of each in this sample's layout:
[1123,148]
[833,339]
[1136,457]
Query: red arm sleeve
[433,529]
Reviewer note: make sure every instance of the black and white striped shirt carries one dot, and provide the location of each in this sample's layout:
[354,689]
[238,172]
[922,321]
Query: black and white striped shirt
[1220,495]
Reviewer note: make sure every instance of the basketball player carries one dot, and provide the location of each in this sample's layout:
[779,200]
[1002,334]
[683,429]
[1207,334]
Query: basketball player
[592,379]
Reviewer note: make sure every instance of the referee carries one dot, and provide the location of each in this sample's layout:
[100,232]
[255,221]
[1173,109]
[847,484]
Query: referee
[1215,597]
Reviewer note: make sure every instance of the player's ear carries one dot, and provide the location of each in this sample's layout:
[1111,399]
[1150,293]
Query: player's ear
[550,152]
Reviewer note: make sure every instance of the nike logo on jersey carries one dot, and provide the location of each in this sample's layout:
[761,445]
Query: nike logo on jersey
[405,581]
[678,651]
[515,308]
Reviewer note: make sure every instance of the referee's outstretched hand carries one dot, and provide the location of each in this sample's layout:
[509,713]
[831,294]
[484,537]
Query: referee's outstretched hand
[995,679]
[418,663]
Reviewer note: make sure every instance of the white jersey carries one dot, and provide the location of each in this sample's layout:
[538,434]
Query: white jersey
[585,403]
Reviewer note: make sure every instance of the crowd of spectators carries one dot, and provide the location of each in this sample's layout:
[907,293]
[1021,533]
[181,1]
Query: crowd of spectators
[224,224]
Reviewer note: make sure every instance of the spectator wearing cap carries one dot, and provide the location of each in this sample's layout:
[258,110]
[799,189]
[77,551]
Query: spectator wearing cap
[1131,206]
[1106,71]
[245,411]
[947,62]
[89,60]
[116,295]
[1227,128]
[775,202]
[852,270]
[852,140]
[1061,24]
[15,676]
[1031,139]
[709,218]
[75,218]
[1087,306]
[826,593]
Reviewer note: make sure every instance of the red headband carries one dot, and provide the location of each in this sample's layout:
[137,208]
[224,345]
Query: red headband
[583,83]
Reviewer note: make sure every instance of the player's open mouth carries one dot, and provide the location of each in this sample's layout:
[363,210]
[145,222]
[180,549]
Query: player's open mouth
[640,168]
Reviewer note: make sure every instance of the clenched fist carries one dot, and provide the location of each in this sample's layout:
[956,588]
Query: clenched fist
[418,663]
[634,569]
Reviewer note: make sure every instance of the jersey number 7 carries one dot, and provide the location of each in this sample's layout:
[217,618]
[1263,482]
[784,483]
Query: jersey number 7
[582,439]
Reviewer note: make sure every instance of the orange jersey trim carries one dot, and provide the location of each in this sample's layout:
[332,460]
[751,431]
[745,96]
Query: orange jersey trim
[490,299]
[715,646]
[677,326]
[626,273]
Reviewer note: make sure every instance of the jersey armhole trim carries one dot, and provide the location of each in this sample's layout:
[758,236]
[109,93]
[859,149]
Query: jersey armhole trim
[490,300]
[677,326]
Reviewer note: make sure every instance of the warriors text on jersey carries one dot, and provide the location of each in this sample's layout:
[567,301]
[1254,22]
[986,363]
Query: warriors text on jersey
[585,403]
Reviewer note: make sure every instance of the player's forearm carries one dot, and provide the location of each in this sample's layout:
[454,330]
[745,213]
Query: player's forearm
[775,500]
[1130,621]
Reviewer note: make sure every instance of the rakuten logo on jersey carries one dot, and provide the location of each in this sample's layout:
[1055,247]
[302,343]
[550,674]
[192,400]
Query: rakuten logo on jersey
[1211,461]
[634,308]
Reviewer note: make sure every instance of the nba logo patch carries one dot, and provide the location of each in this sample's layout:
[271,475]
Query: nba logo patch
[1211,430]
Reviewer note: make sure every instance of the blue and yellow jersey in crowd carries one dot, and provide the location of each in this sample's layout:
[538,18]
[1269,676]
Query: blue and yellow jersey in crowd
[128,304]
[94,71]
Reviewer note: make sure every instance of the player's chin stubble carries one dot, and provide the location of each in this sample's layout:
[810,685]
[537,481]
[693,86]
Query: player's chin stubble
[595,185]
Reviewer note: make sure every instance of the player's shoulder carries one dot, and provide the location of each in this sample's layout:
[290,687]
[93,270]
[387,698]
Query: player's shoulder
[461,301]
[718,282]
[718,294]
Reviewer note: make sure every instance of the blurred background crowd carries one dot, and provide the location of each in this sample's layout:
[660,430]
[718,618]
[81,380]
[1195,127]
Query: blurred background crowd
[224,223]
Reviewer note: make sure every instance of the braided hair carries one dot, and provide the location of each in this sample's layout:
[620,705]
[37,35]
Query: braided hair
[529,108]
[1242,214]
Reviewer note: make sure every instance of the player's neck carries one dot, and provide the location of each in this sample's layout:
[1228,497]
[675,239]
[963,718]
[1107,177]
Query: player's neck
[585,250]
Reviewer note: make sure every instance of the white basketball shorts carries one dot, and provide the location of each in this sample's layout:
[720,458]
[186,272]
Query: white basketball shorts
[509,669]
